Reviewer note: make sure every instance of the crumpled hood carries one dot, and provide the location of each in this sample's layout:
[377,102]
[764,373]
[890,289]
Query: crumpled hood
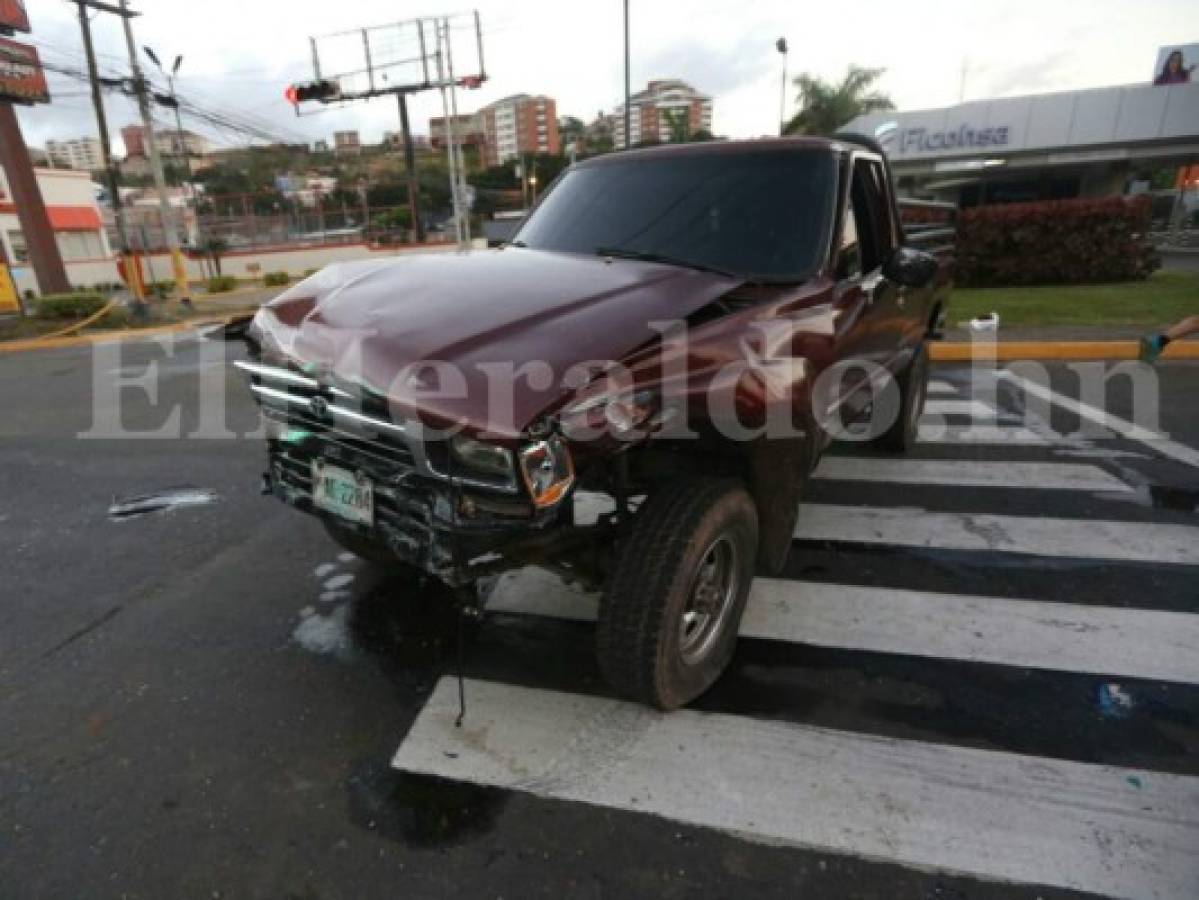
[482,312]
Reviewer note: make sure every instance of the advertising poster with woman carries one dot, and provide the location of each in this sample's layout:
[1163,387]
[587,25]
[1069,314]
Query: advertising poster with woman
[1176,64]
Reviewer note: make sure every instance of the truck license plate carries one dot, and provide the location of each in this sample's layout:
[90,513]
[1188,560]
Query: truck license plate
[342,493]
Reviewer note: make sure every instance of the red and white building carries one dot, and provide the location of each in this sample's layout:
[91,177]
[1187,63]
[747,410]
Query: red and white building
[665,110]
[70,199]
[518,125]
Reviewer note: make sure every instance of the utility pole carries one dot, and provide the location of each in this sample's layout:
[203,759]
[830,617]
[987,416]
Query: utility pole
[781,46]
[441,30]
[178,265]
[628,115]
[524,181]
[31,209]
[461,164]
[131,265]
[410,170]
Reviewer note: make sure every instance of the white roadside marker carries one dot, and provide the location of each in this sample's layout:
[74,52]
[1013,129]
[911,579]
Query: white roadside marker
[1041,536]
[994,815]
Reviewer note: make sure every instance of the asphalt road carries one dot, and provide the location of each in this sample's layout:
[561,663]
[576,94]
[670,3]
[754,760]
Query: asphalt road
[206,701]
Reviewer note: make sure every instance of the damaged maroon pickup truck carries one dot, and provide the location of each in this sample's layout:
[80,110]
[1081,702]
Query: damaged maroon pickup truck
[632,393]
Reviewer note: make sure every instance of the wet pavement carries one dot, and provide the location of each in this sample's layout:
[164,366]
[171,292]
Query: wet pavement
[202,695]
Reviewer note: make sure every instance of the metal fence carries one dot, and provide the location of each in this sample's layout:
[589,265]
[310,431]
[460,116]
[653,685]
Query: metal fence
[1174,218]
[290,227]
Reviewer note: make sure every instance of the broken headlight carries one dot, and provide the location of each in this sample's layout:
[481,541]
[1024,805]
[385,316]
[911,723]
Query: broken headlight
[482,458]
[548,470]
[624,416]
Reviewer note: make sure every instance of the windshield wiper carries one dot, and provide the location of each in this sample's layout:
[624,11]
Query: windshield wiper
[665,259]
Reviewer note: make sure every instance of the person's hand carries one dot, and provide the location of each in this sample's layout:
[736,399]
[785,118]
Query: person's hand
[1151,347]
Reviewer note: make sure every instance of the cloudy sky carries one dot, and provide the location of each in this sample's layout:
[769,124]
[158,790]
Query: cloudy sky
[240,54]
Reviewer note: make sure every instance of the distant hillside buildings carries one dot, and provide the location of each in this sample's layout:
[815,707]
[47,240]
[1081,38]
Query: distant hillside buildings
[170,142]
[78,153]
[505,129]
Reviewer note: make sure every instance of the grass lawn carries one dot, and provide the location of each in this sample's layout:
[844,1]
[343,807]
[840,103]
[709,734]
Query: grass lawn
[1163,297]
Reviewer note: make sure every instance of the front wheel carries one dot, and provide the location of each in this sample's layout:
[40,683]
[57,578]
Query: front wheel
[670,613]
[913,389]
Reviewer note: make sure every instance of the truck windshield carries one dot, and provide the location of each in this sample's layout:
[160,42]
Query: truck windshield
[762,214]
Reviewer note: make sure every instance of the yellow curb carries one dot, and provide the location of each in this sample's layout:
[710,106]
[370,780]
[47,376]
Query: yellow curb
[1010,350]
[82,340]
[103,311]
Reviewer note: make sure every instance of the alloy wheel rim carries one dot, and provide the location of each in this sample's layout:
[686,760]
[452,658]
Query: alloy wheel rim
[709,599]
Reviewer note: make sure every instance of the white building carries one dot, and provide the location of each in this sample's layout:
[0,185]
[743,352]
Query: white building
[665,109]
[1088,143]
[78,153]
[70,200]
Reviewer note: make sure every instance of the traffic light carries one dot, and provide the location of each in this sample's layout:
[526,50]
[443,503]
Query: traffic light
[313,90]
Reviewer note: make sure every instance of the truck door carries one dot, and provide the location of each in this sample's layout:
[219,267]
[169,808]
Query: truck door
[861,299]
[880,233]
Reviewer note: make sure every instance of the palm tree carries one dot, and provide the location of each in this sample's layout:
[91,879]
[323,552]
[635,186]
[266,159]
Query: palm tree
[825,107]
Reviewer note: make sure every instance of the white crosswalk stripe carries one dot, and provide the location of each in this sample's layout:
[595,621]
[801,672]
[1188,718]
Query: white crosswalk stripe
[975,409]
[1069,637]
[937,431]
[933,803]
[1061,476]
[936,387]
[998,815]
[1041,536]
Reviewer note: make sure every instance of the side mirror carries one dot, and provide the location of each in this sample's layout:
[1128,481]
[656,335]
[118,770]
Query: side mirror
[910,267]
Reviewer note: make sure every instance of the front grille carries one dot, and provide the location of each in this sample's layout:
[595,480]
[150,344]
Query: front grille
[412,497]
[354,421]
[404,506]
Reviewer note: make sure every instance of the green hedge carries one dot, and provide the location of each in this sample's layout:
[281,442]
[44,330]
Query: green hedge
[160,289]
[69,306]
[1055,242]
[275,279]
[221,284]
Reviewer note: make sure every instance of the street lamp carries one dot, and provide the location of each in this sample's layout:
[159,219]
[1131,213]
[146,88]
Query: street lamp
[180,141]
[170,77]
[781,46]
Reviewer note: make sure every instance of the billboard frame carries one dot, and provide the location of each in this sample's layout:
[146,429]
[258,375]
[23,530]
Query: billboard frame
[13,17]
[27,87]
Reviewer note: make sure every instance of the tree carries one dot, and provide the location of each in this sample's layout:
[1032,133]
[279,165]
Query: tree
[678,121]
[572,131]
[213,248]
[824,107]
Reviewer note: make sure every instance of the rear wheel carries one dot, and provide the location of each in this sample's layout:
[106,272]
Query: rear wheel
[670,613]
[913,388]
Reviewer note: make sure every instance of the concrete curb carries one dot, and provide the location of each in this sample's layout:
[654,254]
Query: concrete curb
[123,334]
[1010,350]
